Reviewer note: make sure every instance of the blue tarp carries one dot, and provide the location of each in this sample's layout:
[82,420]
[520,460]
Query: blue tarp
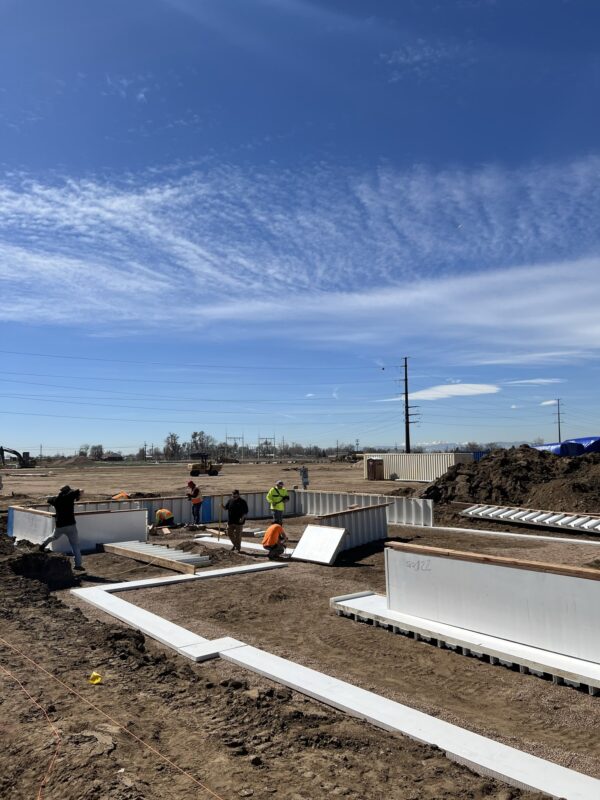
[569,448]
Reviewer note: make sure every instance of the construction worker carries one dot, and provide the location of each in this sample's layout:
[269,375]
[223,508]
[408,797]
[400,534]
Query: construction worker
[274,540]
[120,496]
[277,497]
[195,497]
[303,472]
[164,518]
[237,511]
[64,521]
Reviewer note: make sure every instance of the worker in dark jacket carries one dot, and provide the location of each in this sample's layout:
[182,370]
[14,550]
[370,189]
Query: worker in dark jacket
[64,523]
[237,511]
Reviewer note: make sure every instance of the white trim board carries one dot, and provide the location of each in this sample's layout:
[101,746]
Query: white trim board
[251,547]
[369,607]
[531,536]
[483,755]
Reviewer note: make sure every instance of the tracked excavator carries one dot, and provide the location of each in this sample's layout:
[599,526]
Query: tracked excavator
[24,460]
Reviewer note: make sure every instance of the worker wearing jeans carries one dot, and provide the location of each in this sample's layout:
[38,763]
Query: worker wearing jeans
[64,504]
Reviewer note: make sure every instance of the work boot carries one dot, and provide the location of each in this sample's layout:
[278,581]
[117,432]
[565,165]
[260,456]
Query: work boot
[80,568]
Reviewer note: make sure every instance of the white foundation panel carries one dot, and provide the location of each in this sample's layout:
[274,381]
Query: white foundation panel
[93,528]
[541,609]
[320,543]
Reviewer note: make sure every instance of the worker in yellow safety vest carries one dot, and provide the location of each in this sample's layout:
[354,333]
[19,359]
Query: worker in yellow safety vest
[195,497]
[164,518]
[277,497]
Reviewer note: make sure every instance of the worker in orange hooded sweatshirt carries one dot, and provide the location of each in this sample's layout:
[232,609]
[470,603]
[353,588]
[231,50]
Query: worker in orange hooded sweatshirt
[274,540]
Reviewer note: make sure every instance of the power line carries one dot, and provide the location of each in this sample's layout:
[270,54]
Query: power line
[186,365]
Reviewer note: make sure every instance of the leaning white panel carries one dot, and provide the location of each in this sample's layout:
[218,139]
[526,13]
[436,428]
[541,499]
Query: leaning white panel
[475,751]
[320,543]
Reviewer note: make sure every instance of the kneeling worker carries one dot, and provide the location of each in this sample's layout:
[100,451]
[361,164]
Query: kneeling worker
[274,540]
[164,518]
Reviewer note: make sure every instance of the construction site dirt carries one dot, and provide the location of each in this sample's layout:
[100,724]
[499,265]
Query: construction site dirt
[159,726]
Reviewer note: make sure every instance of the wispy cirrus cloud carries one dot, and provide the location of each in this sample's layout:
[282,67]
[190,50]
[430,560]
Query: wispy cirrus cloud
[445,391]
[385,252]
[549,403]
[535,382]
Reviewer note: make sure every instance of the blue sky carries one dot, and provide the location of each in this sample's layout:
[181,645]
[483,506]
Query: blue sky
[239,215]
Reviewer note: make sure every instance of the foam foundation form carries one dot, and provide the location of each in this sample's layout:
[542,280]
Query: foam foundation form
[527,536]
[482,755]
[372,608]
[583,523]
[478,753]
[320,543]
[249,547]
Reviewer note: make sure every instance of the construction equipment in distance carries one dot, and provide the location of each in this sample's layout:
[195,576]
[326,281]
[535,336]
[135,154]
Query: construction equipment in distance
[203,466]
[24,460]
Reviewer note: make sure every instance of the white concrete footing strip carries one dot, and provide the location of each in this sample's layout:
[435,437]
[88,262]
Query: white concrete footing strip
[477,752]
[530,536]
[373,607]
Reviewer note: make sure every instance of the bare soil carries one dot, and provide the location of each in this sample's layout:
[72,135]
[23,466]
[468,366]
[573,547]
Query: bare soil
[235,733]
[160,727]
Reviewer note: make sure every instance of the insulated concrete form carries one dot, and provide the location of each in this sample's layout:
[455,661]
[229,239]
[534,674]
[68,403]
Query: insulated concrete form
[545,606]
[400,510]
[373,609]
[249,547]
[482,755]
[168,557]
[95,528]
[424,467]
[558,520]
[320,544]
[362,525]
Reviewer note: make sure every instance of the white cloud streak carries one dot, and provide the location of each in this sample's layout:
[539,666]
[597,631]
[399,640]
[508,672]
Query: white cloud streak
[383,254]
[445,391]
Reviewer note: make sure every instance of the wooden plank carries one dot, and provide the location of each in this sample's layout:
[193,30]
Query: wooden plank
[150,558]
[353,510]
[500,561]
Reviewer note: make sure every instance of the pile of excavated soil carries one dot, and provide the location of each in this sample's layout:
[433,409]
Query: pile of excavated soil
[523,476]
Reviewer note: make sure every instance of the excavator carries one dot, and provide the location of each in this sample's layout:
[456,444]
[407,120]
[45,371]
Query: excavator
[24,460]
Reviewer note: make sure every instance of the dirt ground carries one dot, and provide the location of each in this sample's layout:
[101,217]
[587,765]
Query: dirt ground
[159,727]
[105,480]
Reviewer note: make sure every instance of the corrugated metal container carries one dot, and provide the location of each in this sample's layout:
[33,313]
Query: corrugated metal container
[363,525]
[417,466]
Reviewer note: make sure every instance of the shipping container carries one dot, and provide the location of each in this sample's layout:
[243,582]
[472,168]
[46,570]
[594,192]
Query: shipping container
[424,467]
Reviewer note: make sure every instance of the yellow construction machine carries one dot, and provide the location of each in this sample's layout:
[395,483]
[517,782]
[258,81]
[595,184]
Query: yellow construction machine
[203,466]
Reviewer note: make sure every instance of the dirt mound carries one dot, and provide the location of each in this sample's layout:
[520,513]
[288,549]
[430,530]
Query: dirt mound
[525,477]
[51,569]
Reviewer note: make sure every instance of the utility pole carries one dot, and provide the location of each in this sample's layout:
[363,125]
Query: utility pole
[558,419]
[407,409]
